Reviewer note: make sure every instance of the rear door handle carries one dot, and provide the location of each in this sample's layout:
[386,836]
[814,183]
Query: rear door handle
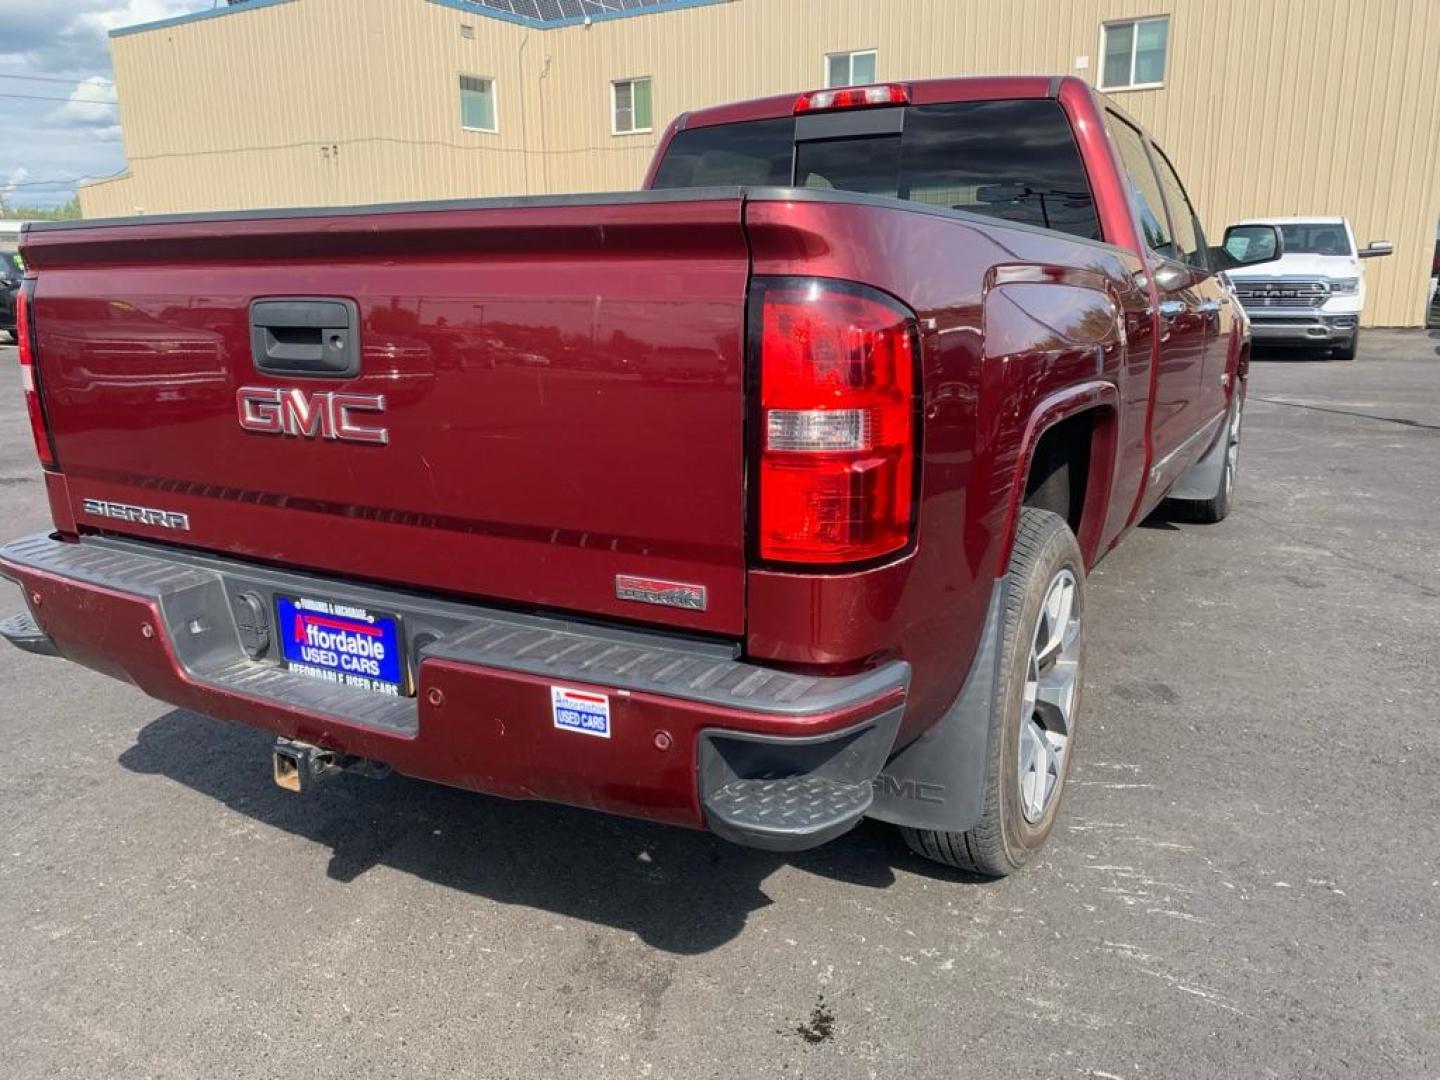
[313,336]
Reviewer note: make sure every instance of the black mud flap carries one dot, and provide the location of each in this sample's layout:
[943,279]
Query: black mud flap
[938,781]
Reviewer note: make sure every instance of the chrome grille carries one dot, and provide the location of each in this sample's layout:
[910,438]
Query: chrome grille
[1271,293]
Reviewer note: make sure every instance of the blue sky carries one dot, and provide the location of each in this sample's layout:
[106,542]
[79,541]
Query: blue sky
[56,123]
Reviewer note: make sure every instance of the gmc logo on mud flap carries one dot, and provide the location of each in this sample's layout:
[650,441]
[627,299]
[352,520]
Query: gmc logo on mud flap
[325,414]
[909,789]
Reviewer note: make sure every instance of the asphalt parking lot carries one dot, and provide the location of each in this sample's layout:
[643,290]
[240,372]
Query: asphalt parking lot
[1245,882]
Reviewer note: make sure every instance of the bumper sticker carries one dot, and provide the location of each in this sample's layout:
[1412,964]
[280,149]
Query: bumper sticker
[578,710]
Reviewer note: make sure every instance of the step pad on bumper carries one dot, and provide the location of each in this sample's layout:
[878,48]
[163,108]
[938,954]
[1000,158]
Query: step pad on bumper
[789,794]
[22,631]
[808,808]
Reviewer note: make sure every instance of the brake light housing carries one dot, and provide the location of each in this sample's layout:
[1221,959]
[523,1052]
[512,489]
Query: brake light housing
[852,97]
[834,473]
[30,373]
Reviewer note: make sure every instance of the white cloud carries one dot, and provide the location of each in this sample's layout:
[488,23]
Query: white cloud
[92,103]
[78,134]
[17,175]
[108,16]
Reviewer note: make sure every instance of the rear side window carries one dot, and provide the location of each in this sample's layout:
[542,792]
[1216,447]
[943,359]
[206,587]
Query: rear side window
[10,269]
[1013,160]
[1144,185]
[1189,237]
[757,152]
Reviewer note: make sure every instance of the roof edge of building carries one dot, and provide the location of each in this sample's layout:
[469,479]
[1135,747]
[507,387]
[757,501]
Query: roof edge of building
[457,5]
[195,16]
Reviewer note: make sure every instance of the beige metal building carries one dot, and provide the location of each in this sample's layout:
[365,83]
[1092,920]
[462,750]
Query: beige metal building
[1266,106]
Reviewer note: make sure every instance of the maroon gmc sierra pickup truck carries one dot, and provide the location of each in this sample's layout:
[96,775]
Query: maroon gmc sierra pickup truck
[760,501]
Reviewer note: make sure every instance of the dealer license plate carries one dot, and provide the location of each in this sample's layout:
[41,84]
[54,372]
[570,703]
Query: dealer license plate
[341,643]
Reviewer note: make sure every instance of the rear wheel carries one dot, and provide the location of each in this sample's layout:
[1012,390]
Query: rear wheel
[1032,731]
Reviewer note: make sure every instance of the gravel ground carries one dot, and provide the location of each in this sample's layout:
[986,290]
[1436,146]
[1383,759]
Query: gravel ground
[1245,881]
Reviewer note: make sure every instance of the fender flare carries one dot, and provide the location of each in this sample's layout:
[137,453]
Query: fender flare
[1094,395]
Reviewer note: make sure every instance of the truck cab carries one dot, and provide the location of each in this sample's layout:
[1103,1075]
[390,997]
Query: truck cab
[1313,295]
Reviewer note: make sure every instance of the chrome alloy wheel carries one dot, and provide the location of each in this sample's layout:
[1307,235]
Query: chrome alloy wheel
[1052,679]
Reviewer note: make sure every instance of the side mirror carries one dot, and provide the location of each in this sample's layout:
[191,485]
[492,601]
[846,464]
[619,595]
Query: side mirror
[1248,245]
[1376,248]
[1169,277]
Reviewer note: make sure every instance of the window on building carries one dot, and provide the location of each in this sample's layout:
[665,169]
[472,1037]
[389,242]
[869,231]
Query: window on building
[1133,53]
[630,112]
[850,68]
[477,103]
[1144,187]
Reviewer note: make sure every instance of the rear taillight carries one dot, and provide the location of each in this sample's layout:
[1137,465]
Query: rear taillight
[29,374]
[836,431]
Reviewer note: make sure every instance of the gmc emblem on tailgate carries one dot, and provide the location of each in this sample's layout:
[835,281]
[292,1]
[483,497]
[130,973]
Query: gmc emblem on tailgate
[325,414]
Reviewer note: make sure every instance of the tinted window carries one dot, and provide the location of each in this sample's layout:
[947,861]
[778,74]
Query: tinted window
[1144,187]
[10,266]
[755,152]
[1316,238]
[1189,238]
[1014,160]
[870,164]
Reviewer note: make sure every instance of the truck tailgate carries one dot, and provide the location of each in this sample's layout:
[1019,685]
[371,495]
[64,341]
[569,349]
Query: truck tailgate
[561,383]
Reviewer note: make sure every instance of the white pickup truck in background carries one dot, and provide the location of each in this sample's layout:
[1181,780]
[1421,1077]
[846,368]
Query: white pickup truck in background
[1314,293]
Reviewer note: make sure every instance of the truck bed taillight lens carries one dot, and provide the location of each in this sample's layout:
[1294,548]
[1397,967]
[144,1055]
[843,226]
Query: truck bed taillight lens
[836,472]
[29,378]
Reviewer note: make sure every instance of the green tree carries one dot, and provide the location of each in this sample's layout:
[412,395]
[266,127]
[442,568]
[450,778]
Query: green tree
[66,211]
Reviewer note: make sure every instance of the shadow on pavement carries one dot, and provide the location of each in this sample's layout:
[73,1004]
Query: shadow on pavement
[1293,354]
[681,891]
[1160,518]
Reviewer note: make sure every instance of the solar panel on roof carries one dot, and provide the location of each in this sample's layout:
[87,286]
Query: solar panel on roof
[556,10]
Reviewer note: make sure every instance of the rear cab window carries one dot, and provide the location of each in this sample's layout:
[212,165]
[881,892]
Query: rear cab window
[1012,160]
[752,153]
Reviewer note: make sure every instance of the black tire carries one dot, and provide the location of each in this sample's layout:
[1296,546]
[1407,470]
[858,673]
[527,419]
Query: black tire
[1004,840]
[1346,351]
[1216,509]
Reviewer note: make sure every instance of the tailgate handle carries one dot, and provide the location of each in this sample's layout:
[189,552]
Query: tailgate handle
[301,335]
